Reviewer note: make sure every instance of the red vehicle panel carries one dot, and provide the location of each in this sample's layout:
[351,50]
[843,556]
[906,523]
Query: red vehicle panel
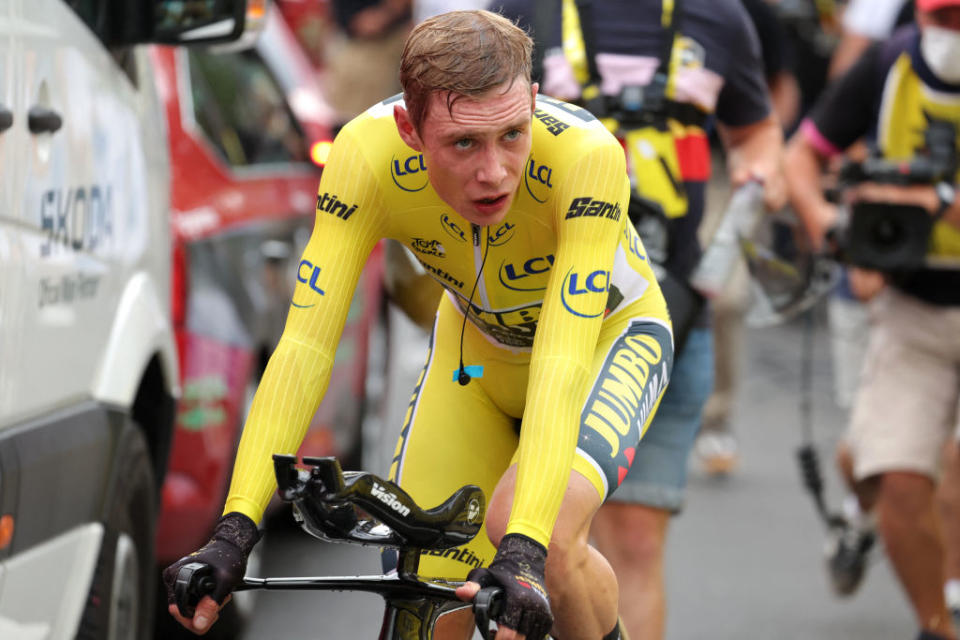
[243,197]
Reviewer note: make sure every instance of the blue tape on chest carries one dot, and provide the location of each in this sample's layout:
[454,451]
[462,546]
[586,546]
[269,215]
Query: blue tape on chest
[473,370]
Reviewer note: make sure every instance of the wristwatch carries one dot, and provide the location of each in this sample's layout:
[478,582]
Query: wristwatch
[946,194]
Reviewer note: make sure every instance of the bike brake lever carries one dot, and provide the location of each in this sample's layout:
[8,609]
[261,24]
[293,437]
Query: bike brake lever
[194,580]
[487,607]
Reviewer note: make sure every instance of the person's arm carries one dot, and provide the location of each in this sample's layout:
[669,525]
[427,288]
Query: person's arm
[840,117]
[864,23]
[755,151]
[566,336]
[849,49]
[747,125]
[785,97]
[804,187]
[952,216]
[348,225]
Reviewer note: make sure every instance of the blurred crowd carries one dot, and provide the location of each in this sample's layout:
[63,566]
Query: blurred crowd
[845,114]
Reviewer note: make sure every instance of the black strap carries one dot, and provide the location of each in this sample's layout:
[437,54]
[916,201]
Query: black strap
[589,35]
[544,16]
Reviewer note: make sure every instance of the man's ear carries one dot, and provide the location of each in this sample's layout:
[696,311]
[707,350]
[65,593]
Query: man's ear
[534,88]
[408,133]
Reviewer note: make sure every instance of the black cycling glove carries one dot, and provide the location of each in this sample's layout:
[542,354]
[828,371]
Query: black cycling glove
[518,569]
[233,538]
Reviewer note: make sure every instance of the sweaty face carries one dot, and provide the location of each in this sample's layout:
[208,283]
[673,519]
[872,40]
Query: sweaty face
[476,153]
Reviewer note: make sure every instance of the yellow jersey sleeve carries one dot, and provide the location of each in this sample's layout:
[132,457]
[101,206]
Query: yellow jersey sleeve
[589,213]
[349,222]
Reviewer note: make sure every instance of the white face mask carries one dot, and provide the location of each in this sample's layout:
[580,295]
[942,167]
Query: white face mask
[940,48]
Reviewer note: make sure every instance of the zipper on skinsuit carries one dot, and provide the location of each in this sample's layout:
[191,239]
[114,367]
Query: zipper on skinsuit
[478,263]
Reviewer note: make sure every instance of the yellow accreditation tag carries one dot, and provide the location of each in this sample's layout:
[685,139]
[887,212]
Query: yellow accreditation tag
[655,168]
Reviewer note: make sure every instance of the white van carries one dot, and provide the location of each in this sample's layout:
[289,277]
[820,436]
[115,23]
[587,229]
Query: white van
[88,368]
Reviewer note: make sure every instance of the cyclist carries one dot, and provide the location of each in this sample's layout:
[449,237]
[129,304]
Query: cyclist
[895,93]
[689,60]
[517,205]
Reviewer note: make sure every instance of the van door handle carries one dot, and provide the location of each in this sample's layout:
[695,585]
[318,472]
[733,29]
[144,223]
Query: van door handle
[6,118]
[43,120]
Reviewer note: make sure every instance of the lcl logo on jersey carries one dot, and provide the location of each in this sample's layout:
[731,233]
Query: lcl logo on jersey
[452,228]
[409,174]
[537,179]
[502,234]
[518,276]
[633,241]
[428,247]
[307,273]
[576,285]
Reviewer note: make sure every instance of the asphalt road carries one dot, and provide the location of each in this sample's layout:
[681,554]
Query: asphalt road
[745,558]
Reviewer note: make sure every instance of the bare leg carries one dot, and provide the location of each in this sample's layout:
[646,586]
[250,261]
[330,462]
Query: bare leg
[948,498]
[454,626]
[633,538]
[581,584]
[865,490]
[912,537]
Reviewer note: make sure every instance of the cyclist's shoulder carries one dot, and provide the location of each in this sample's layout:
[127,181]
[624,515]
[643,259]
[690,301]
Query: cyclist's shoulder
[373,134]
[564,133]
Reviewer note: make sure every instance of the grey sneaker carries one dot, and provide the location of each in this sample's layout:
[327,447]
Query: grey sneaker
[847,551]
[718,452]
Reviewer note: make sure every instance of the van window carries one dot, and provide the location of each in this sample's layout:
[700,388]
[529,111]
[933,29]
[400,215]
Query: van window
[90,11]
[258,128]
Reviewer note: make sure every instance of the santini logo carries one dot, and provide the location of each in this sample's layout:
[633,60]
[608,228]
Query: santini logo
[330,204]
[589,207]
[554,125]
[388,498]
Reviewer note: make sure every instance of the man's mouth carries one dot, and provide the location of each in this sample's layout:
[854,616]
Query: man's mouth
[496,200]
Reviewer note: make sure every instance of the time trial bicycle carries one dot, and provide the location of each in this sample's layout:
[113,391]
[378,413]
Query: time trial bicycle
[362,508]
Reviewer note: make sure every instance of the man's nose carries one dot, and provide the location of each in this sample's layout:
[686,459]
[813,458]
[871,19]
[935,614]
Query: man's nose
[491,169]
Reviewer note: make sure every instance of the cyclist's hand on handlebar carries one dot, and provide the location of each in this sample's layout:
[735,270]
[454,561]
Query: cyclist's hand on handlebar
[518,569]
[226,556]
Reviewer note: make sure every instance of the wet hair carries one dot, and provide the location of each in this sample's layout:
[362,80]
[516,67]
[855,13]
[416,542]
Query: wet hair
[461,53]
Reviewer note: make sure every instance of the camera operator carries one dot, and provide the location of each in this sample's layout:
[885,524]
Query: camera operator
[901,94]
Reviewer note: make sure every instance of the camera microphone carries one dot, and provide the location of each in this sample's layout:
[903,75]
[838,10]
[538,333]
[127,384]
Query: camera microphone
[463,378]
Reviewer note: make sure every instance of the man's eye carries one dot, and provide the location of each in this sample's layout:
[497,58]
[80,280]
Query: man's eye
[513,135]
[463,143]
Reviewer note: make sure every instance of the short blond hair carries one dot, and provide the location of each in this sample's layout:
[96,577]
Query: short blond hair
[461,53]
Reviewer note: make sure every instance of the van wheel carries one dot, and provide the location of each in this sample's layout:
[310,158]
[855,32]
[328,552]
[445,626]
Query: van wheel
[119,603]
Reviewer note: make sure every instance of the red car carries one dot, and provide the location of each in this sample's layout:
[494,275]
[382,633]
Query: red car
[242,127]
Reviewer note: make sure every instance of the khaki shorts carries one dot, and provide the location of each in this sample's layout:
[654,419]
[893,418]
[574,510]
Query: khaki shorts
[907,404]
